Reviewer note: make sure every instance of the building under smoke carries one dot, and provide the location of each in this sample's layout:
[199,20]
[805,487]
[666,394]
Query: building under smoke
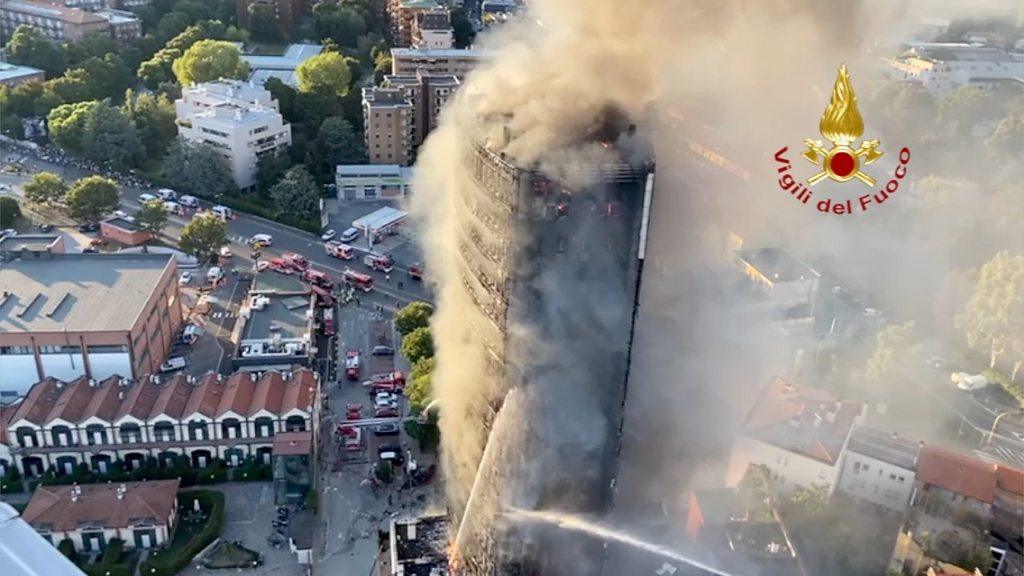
[553,263]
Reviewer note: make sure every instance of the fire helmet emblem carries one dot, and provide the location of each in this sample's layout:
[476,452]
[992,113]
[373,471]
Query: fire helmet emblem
[842,124]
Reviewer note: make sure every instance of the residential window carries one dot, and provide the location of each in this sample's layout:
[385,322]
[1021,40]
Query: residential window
[892,477]
[15,350]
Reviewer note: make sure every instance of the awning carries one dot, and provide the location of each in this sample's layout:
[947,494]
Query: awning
[379,220]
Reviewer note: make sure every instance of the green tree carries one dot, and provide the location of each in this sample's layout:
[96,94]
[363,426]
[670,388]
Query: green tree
[92,45]
[415,314]
[808,502]
[96,131]
[208,60]
[419,389]
[418,344]
[297,193]
[269,171]
[339,143]
[343,24]
[263,23]
[198,169]
[381,66]
[994,318]
[1007,141]
[893,343]
[108,76]
[28,46]
[203,236]
[152,217]
[967,106]
[10,211]
[45,188]
[462,29]
[92,197]
[153,116]
[326,73]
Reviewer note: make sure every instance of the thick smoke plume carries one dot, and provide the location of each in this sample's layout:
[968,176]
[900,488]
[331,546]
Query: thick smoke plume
[740,77]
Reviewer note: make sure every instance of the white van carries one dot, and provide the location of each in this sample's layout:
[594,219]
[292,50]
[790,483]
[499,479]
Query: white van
[173,364]
[223,211]
[190,201]
[172,207]
[167,194]
[214,274]
[143,198]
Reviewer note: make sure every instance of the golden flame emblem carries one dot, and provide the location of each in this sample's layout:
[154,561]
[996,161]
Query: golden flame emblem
[841,124]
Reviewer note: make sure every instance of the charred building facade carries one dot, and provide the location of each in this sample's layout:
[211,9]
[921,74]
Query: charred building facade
[554,265]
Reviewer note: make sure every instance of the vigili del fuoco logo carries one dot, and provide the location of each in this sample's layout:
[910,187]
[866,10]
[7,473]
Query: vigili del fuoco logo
[842,125]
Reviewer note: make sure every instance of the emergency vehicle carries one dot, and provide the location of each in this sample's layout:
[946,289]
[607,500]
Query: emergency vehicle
[379,262]
[352,365]
[324,299]
[298,262]
[361,281]
[328,324]
[281,265]
[318,278]
[339,250]
[416,271]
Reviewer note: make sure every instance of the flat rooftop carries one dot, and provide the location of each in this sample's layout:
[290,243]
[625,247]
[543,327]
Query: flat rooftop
[122,223]
[886,447]
[440,53]
[77,292]
[283,315]
[38,242]
[777,265]
[11,71]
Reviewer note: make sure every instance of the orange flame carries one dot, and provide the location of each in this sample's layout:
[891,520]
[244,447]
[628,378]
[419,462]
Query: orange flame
[841,123]
[453,557]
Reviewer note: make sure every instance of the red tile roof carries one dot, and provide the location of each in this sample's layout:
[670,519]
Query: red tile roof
[1010,478]
[172,399]
[299,391]
[238,394]
[293,443]
[71,404]
[52,507]
[269,393]
[105,401]
[803,420]
[205,396]
[6,412]
[138,401]
[958,473]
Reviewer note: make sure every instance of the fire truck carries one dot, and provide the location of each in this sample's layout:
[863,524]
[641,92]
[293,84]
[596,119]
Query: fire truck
[324,299]
[361,281]
[317,278]
[379,262]
[416,271]
[328,324]
[339,250]
[298,262]
[352,365]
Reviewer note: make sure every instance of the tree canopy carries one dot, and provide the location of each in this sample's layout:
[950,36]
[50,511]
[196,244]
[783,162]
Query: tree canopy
[994,318]
[45,188]
[208,60]
[198,169]
[419,388]
[96,131]
[413,315]
[10,211]
[91,198]
[418,344]
[152,217]
[339,143]
[28,46]
[893,343]
[153,116]
[203,236]
[326,73]
[297,193]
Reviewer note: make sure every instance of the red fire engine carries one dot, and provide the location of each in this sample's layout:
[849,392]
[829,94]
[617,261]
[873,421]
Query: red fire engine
[298,262]
[352,364]
[361,281]
[379,262]
[339,250]
[281,265]
[318,278]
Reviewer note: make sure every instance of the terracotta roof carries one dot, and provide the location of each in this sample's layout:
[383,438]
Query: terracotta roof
[269,393]
[37,403]
[299,391]
[57,10]
[6,412]
[293,443]
[104,402]
[803,420]
[1010,479]
[958,473]
[52,507]
[71,403]
[238,394]
[205,396]
[138,401]
[172,398]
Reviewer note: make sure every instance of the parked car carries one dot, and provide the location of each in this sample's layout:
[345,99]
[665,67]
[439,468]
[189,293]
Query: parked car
[185,278]
[89,227]
[45,227]
[386,412]
[388,429]
[261,240]
[349,234]
[122,215]
[167,194]
[189,201]
[223,212]
[385,399]
[328,235]
[90,250]
[968,382]
[225,252]
[8,232]
[383,351]
[173,364]
[144,197]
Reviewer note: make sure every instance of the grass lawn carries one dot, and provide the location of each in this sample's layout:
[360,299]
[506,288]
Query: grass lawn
[230,555]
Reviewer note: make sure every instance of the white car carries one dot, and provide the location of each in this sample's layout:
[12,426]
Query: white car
[349,234]
[8,232]
[143,198]
[262,240]
[122,215]
[173,364]
[225,252]
[968,382]
[190,201]
[328,235]
[167,194]
[185,278]
[383,399]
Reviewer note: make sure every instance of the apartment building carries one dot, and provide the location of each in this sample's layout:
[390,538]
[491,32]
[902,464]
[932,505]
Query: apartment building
[428,92]
[372,181]
[238,119]
[140,514]
[879,468]
[402,16]
[58,22]
[389,120]
[456,62]
[433,30]
[124,26]
[60,424]
[66,316]
[798,433]
[11,74]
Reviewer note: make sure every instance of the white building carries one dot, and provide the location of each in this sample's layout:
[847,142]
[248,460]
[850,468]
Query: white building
[799,433]
[454,61]
[879,468]
[372,181]
[944,67]
[238,119]
[281,67]
[433,30]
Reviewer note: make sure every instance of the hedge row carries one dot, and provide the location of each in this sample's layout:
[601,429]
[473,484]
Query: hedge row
[113,563]
[182,468]
[269,212]
[178,555]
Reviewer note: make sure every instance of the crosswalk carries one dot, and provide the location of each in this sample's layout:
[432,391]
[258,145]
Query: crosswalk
[219,315]
[1008,455]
